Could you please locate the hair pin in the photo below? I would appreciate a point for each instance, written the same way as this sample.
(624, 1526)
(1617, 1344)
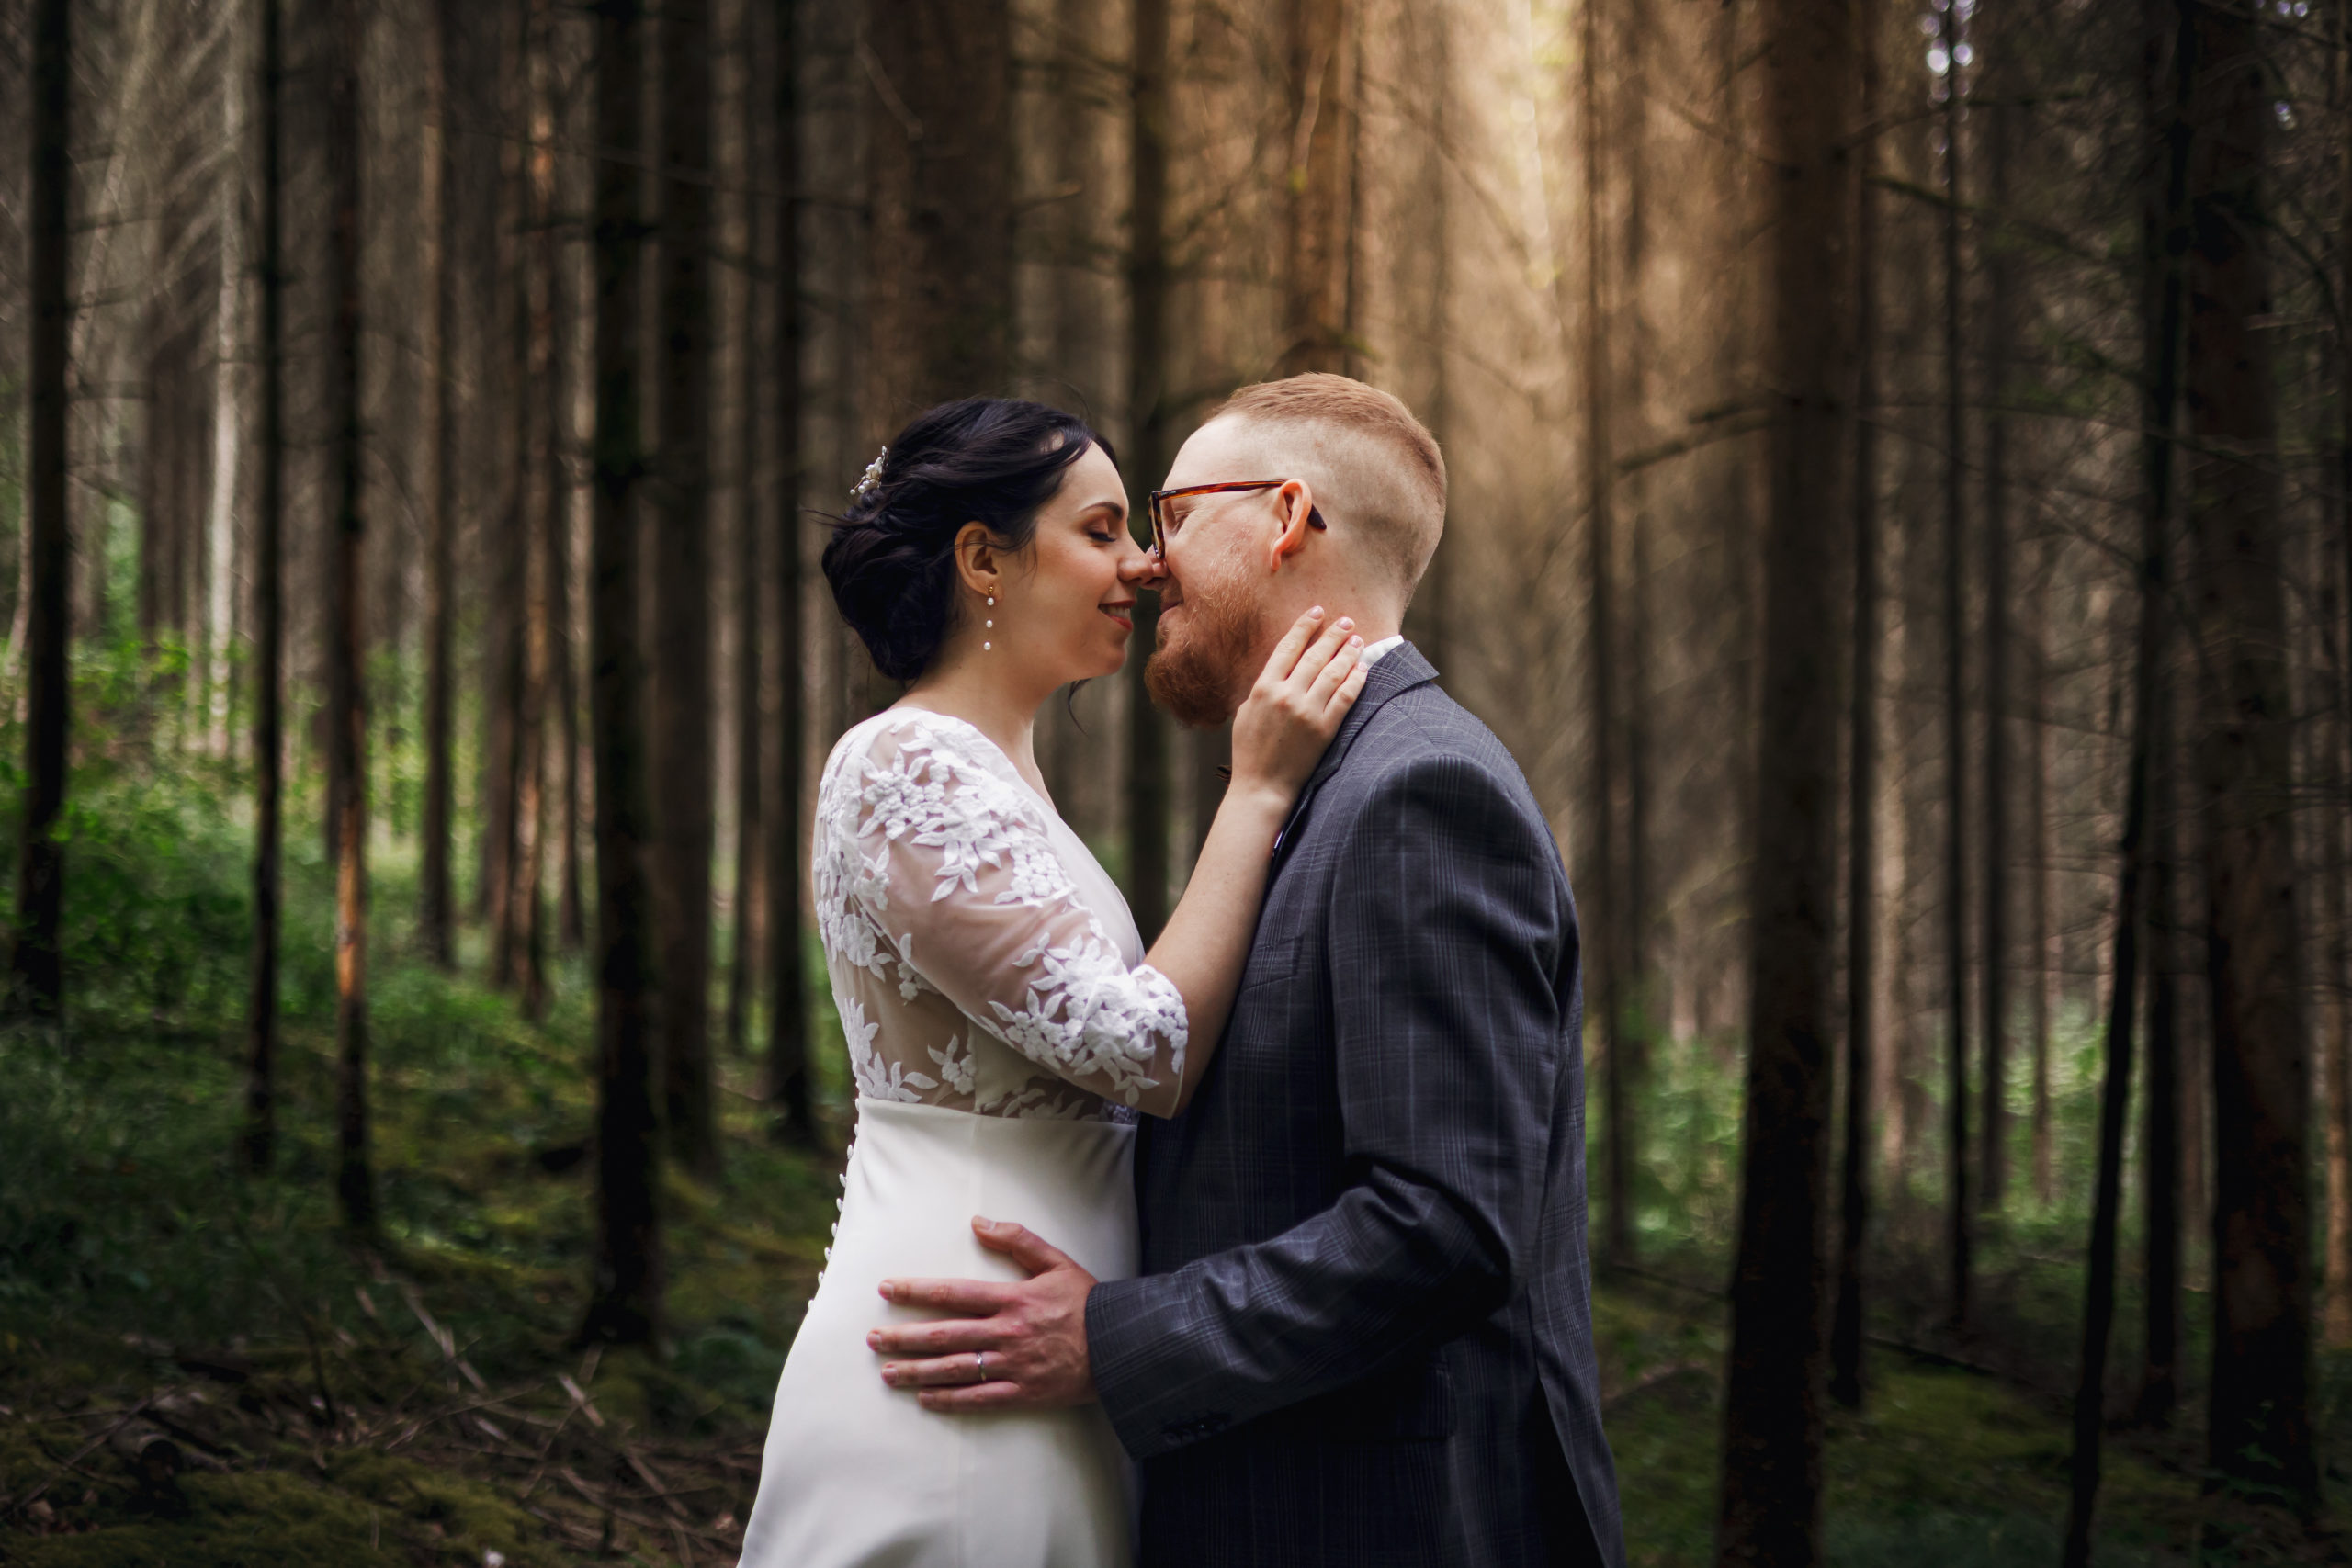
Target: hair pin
(871, 478)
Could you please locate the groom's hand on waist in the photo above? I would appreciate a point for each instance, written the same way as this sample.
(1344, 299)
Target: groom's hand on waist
(1010, 1347)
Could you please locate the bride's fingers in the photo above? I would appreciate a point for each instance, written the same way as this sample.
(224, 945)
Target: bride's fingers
(1344, 662)
(1318, 655)
(1286, 651)
(1349, 688)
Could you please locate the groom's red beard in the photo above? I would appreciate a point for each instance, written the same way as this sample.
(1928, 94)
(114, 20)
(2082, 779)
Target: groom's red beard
(1203, 656)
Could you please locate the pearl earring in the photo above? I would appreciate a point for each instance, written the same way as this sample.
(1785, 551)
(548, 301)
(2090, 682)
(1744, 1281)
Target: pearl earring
(985, 647)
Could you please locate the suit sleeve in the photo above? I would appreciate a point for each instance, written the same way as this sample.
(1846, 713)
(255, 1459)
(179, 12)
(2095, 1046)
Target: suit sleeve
(1447, 924)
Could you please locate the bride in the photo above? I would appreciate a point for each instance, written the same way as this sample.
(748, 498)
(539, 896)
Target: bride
(1004, 1025)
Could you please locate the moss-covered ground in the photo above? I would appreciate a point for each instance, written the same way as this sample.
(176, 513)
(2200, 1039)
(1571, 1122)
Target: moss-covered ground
(421, 1402)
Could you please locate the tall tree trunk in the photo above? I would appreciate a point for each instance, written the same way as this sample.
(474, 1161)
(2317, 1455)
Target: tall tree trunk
(684, 781)
(540, 541)
(1960, 1232)
(37, 962)
(1630, 396)
(436, 915)
(2164, 241)
(625, 1304)
(1319, 220)
(210, 695)
(793, 1116)
(1993, 961)
(742, 979)
(1600, 868)
(506, 664)
(2160, 1163)
(2336, 982)
(2045, 958)
(2336, 1006)
(562, 684)
(941, 280)
(1772, 1411)
(2162, 304)
(2258, 1428)
(347, 649)
(261, 1006)
(1150, 417)
(1862, 777)
(2115, 1101)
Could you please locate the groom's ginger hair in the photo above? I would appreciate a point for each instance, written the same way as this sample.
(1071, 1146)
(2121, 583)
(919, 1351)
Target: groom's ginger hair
(1383, 474)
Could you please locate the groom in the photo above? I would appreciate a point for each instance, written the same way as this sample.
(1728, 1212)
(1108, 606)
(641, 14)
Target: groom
(1363, 1333)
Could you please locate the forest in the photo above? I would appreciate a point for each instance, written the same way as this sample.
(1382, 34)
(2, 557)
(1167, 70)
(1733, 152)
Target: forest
(1901, 522)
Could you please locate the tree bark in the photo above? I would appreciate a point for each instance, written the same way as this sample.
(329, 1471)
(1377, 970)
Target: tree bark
(940, 285)
(2162, 301)
(210, 695)
(2335, 981)
(1318, 216)
(2115, 1101)
(1599, 869)
(1960, 1232)
(624, 1304)
(1149, 421)
(1770, 1509)
(2160, 1162)
(506, 664)
(261, 1006)
(541, 541)
(562, 687)
(436, 915)
(346, 650)
(2046, 957)
(2258, 1425)
(742, 979)
(2335, 1006)
(793, 1114)
(1862, 777)
(37, 960)
(684, 782)
(1993, 961)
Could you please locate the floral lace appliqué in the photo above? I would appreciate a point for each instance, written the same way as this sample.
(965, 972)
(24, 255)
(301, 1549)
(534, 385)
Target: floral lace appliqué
(953, 929)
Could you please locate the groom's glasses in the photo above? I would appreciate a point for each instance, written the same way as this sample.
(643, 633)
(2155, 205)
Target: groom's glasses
(1166, 519)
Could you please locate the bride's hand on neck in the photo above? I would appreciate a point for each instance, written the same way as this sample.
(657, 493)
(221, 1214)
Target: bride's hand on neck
(1280, 732)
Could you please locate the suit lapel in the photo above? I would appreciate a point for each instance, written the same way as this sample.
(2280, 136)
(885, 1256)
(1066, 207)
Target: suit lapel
(1400, 670)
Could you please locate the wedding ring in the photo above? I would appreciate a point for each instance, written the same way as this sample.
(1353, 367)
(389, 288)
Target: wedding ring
(979, 1366)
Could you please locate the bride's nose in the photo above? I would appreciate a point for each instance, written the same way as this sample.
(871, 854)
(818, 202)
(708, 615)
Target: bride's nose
(1144, 569)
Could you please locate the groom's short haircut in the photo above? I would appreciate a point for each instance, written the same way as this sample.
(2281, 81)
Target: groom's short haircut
(1383, 474)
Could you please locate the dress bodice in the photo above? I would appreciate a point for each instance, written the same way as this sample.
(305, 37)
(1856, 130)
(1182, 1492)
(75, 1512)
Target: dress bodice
(980, 957)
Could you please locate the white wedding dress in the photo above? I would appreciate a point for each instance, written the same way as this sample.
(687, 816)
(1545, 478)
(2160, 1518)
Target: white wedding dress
(1004, 1032)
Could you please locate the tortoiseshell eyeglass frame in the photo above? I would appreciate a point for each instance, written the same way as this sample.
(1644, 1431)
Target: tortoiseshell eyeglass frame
(1160, 498)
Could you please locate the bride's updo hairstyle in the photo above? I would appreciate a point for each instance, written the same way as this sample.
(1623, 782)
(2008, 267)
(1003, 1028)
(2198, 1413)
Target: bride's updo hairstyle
(891, 560)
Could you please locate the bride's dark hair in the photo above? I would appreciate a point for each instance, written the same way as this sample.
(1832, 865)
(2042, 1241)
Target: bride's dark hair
(891, 560)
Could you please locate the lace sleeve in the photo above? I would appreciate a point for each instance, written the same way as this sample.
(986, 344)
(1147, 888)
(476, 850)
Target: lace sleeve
(959, 881)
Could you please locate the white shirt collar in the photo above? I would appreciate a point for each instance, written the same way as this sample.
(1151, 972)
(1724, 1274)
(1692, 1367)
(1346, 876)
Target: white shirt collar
(1372, 654)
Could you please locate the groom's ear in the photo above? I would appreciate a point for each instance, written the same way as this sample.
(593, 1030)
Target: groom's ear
(1293, 512)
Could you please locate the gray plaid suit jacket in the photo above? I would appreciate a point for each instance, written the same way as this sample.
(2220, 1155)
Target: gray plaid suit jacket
(1363, 1333)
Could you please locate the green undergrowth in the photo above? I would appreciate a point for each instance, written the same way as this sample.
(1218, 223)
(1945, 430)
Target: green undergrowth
(137, 1263)
(1945, 1465)
(414, 1403)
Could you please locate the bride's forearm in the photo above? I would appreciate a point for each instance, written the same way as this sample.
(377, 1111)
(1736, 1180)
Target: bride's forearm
(1207, 938)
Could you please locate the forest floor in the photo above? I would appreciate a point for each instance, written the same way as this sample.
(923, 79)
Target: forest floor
(420, 1402)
